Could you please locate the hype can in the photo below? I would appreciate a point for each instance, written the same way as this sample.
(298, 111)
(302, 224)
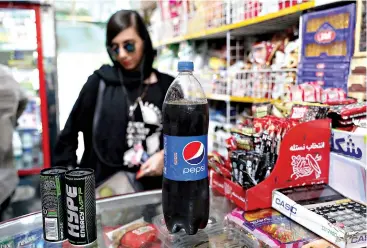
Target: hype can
(53, 203)
(81, 206)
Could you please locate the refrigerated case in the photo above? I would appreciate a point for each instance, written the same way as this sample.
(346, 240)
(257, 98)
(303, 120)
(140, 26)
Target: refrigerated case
(27, 47)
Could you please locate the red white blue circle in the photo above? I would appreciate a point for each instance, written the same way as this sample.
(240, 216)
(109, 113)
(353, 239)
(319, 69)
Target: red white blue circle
(193, 153)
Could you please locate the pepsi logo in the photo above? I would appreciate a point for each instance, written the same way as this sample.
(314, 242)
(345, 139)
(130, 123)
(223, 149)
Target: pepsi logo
(325, 36)
(194, 152)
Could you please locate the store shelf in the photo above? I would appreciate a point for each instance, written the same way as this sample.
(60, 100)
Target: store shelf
(272, 20)
(243, 99)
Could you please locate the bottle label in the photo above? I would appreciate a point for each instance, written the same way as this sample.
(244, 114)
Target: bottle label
(185, 158)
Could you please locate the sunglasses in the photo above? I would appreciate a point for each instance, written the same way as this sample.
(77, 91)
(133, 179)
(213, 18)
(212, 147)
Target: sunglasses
(115, 50)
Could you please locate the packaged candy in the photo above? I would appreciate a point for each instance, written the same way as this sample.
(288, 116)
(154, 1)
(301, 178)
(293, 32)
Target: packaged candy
(274, 229)
(308, 112)
(343, 115)
(261, 109)
(135, 235)
(217, 163)
(340, 102)
(243, 142)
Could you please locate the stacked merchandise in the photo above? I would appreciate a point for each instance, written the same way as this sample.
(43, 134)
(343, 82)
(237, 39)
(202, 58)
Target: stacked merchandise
(255, 142)
(254, 148)
(348, 116)
(314, 92)
(245, 10)
(327, 46)
(269, 67)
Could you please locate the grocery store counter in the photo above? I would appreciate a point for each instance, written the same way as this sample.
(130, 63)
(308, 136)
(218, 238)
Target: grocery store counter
(136, 221)
(115, 213)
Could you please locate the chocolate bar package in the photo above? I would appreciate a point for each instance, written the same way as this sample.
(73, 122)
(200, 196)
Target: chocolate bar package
(344, 115)
(327, 82)
(309, 112)
(274, 229)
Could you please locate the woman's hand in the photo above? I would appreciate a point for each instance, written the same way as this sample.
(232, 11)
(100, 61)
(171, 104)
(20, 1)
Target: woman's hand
(153, 166)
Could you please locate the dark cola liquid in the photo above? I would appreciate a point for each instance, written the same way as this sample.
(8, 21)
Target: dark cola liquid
(185, 203)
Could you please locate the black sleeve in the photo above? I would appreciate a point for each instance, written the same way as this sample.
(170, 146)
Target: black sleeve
(166, 81)
(81, 114)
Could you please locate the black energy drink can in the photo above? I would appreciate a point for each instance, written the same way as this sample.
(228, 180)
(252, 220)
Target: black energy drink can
(81, 206)
(52, 186)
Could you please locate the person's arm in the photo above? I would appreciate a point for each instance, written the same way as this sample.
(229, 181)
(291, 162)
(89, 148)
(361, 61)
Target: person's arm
(154, 165)
(67, 143)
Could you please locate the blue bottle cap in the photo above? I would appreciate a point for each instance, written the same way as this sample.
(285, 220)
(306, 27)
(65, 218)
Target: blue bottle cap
(185, 66)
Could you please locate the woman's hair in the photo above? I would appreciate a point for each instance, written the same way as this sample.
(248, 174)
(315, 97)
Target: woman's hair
(124, 19)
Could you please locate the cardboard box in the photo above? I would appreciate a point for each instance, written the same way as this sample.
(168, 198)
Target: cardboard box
(303, 160)
(352, 186)
(332, 28)
(350, 145)
(322, 65)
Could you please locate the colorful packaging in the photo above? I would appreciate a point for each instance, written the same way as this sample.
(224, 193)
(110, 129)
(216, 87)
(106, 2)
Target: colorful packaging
(52, 185)
(309, 112)
(344, 115)
(329, 34)
(135, 235)
(302, 158)
(327, 82)
(81, 206)
(273, 228)
(322, 65)
(6, 243)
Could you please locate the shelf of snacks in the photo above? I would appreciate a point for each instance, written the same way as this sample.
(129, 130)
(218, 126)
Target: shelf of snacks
(213, 21)
(244, 99)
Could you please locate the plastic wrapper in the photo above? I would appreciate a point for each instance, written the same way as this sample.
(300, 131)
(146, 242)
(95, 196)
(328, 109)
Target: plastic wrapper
(214, 235)
(136, 234)
(308, 112)
(274, 229)
(345, 115)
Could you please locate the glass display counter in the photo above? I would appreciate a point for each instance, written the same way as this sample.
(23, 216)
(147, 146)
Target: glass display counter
(118, 212)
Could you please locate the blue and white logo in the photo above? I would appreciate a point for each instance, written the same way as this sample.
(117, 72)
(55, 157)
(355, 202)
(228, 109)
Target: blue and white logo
(194, 152)
(185, 158)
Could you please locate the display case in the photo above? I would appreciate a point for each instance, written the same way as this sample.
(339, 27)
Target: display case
(136, 220)
(27, 47)
(112, 213)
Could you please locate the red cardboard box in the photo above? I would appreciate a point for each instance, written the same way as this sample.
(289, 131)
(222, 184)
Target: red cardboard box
(303, 159)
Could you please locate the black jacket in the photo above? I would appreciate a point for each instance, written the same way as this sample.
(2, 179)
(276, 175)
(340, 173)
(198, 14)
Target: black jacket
(107, 142)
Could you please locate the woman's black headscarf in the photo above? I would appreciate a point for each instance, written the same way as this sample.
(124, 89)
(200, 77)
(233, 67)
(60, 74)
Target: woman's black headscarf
(120, 21)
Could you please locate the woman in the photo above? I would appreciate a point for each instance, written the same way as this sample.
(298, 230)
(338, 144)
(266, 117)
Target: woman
(119, 109)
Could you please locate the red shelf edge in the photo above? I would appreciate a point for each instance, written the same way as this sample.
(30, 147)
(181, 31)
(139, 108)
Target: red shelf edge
(30, 171)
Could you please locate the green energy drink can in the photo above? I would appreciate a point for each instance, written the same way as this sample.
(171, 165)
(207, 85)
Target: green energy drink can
(81, 206)
(52, 182)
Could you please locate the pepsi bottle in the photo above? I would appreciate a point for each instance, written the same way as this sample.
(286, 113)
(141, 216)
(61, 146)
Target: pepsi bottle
(185, 195)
